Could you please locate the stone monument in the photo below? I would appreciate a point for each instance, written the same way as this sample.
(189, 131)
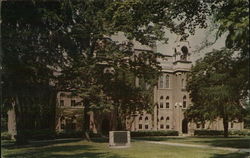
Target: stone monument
(119, 139)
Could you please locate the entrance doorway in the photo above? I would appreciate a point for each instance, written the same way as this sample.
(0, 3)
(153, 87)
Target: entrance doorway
(184, 126)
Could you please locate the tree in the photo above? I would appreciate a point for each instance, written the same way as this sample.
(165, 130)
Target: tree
(216, 86)
(90, 23)
(28, 63)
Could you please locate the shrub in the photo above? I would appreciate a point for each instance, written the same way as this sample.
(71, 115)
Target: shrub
(219, 132)
(240, 132)
(154, 133)
(5, 136)
(208, 133)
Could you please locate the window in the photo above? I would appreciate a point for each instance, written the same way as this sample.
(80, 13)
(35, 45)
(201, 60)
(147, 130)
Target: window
(73, 103)
(146, 126)
(167, 126)
(167, 97)
(161, 126)
(197, 125)
(161, 97)
(146, 118)
(140, 126)
(162, 118)
(161, 82)
(167, 118)
(167, 105)
(61, 102)
(140, 118)
(232, 125)
(184, 104)
(184, 101)
(161, 105)
(167, 82)
(203, 125)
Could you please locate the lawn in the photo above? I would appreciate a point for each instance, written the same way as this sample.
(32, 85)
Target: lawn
(99, 149)
(233, 142)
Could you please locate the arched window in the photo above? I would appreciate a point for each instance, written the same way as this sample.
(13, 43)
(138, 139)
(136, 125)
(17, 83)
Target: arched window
(167, 118)
(161, 97)
(184, 97)
(140, 118)
(146, 118)
(167, 126)
(162, 118)
(161, 82)
(167, 97)
(167, 81)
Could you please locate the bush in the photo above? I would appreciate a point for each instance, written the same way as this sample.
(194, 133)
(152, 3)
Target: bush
(154, 133)
(219, 132)
(5, 136)
(240, 132)
(208, 132)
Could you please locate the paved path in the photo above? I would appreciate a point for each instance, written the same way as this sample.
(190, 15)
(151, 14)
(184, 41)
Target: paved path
(200, 146)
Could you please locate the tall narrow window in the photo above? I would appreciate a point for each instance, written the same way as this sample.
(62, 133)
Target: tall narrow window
(167, 105)
(161, 105)
(167, 81)
(140, 126)
(73, 103)
(161, 82)
(146, 118)
(184, 101)
(182, 83)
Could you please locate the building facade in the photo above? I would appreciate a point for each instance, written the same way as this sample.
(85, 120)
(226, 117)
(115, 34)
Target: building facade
(170, 96)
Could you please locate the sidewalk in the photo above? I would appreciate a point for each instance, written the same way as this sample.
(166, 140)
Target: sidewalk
(200, 146)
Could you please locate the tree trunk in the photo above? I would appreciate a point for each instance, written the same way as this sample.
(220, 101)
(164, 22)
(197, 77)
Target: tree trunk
(20, 135)
(86, 124)
(225, 125)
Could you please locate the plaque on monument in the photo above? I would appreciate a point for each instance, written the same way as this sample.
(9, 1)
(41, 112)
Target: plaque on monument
(119, 138)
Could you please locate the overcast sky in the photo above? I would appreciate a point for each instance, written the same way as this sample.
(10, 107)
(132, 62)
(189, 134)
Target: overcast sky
(196, 41)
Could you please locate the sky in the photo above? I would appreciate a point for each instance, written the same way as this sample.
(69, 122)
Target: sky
(196, 42)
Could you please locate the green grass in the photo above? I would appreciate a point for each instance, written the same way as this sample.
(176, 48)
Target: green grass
(99, 149)
(233, 142)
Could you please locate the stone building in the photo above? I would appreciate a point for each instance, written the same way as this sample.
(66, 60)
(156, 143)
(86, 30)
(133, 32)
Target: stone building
(170, 96)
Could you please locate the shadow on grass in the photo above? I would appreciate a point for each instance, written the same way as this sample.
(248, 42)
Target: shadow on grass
(65, 151)
(12, 145)
(228, 142)
(231, 155)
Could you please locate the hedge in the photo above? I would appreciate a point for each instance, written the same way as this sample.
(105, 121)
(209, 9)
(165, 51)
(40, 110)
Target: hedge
(220, 132)
(154, 133)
